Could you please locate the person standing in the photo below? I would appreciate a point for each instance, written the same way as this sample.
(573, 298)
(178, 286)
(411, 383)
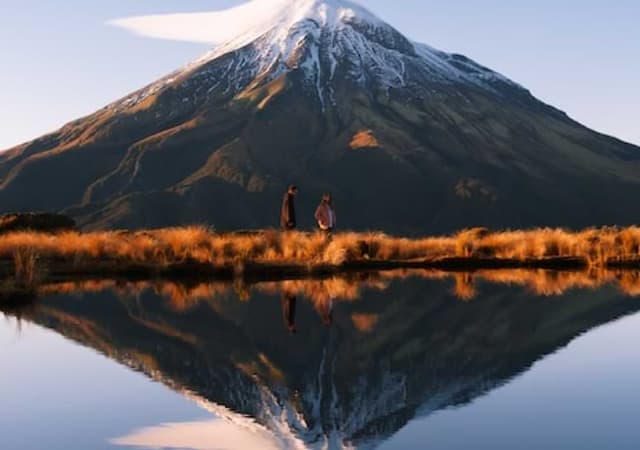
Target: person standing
(325, 214)
(288, 210)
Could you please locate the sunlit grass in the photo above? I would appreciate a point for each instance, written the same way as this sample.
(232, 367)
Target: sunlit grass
(597, 247)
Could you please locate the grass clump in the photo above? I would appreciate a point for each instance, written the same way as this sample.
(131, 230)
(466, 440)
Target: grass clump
(28, 272)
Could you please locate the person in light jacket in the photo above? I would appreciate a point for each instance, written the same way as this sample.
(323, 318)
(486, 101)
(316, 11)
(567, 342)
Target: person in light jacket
(325, 214)
(288, 209)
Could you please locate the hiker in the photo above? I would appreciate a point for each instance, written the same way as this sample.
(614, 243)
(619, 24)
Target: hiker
(288, 304)
(288, 210)
(325, 214)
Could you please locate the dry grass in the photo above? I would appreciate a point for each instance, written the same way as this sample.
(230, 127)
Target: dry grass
(321, 293)
(28, 275)
(25, 260)
(597, 247)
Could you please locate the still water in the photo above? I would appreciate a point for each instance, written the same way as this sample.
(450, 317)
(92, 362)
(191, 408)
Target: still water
(495, 360)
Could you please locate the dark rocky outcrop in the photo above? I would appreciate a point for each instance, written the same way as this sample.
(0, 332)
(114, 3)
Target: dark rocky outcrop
(45, 222)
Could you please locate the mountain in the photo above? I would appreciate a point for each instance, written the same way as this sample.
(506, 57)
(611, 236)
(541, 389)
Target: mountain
(353, 384)
(325, 95)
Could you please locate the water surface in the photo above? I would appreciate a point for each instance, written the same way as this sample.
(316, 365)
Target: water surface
(497, 360)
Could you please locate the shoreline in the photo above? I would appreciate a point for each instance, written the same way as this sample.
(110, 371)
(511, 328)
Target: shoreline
(66, 269)
(29, 259)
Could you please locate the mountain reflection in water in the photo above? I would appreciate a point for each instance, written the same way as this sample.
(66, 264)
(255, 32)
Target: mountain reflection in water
(339, 362)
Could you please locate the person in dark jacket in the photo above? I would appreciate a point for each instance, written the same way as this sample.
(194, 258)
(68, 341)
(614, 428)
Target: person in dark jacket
(326, 215)
(288, 210)
(288, 304)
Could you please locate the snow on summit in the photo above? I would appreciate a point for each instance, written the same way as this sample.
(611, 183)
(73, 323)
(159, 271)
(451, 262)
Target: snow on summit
(326, 40)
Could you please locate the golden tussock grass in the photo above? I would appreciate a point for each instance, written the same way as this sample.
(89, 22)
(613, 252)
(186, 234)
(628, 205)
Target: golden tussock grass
(199, 245)
(27, 270)
(32, 255)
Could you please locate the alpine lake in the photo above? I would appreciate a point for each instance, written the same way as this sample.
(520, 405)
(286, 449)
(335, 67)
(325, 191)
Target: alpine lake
(510, 359)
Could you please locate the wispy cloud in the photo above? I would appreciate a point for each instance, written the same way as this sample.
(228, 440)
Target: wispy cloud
(211, 27)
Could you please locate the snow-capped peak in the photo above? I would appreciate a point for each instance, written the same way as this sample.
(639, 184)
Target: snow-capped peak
(288, 17)
(324, 40)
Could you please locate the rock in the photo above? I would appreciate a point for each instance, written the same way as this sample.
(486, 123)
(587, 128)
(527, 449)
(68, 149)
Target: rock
(44, 222)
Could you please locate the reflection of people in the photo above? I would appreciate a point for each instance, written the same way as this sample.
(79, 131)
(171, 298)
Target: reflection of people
(325, 214)
(326, 312)
(288, 210)
(288, 304)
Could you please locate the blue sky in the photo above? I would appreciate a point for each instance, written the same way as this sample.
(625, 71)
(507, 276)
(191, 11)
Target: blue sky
(60, 61)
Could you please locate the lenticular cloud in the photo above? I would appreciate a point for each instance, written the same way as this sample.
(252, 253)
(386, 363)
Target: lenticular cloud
(211, 27)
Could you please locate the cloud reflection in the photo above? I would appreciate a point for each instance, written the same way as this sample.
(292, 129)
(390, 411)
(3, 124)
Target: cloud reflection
(212, 434)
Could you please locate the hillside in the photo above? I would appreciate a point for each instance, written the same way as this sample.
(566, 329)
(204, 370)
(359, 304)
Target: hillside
(409, 139)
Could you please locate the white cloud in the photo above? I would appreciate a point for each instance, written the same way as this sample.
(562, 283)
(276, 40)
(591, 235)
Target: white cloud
(211, 27)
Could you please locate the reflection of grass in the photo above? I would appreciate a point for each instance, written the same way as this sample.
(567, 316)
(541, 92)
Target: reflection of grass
(189, 247)
(320, 292)
(182, 296)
